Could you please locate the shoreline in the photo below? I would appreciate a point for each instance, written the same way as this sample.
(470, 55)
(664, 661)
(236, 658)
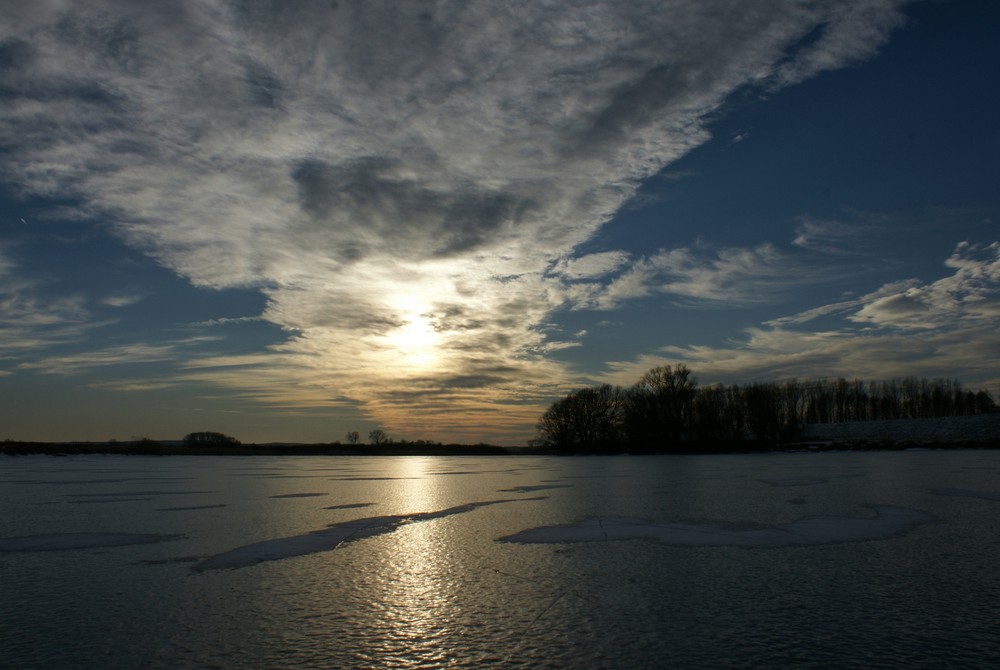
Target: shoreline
(978, 431)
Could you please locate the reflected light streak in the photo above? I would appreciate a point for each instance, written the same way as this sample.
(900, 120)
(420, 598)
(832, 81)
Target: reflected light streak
(419, 598)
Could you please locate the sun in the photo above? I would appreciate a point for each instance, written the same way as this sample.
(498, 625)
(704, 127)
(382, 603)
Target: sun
(416, 340)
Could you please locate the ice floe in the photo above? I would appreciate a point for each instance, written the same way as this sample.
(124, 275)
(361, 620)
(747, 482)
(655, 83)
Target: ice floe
(350, 505)
(888, 521)
(329, 538)
(65, 541)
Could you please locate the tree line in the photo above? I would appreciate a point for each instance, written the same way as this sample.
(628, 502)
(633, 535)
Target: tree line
(666, 410)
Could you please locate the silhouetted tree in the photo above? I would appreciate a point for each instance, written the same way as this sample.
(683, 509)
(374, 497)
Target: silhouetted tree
(587, 420)
(666, 408)
(208, 438)
(984, 403)
(377, 437)
(353, 437)
(763, 406)
(659, 407)
(712, 416)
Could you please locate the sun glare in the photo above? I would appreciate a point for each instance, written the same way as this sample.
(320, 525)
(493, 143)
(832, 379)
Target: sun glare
(416, 340)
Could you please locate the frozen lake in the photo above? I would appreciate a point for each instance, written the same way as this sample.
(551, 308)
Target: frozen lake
(883, 559)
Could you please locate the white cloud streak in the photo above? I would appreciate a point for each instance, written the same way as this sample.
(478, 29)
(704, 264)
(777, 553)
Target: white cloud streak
(129, 354)
(727, 276)
(381, 168)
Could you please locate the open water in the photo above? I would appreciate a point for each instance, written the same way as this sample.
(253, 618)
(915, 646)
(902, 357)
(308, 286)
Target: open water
(851, 560)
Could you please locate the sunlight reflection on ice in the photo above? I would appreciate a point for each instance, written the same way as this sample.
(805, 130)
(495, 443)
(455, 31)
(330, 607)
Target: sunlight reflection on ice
(329, 538)
(887, 522)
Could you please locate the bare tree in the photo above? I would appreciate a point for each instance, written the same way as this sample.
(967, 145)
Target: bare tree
(660, 406)
(353, 437)
(587, 420)
(377, 437)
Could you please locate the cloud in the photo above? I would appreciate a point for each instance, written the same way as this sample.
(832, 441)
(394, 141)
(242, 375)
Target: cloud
(6, 264)
(121, 300)
(705, 275)
(836, 236)
(29, 321)
(845, 307)
(130, 354)
(379, 168)
(850, 33)
(971, 295)
(945, 328)
(591, 265)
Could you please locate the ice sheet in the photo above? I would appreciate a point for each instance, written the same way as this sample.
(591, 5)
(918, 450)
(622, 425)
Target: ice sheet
(65, 541)
(369, 479)
(109, 500)
(329, 538)
(191, 507)
(530, 489)
(888, 521)
(963, 493)
(133, 494)
(794, 481)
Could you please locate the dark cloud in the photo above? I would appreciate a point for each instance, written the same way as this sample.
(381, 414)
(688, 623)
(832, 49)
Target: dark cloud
(265, 88)
(405, 215)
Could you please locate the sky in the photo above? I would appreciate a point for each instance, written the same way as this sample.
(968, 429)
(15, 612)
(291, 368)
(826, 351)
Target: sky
(289, 220)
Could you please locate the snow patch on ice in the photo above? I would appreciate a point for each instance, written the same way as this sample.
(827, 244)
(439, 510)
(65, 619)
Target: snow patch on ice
(887, 522)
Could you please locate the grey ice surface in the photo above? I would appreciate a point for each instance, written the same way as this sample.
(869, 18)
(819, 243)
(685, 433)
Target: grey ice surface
(887, 522)
(66, 541)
